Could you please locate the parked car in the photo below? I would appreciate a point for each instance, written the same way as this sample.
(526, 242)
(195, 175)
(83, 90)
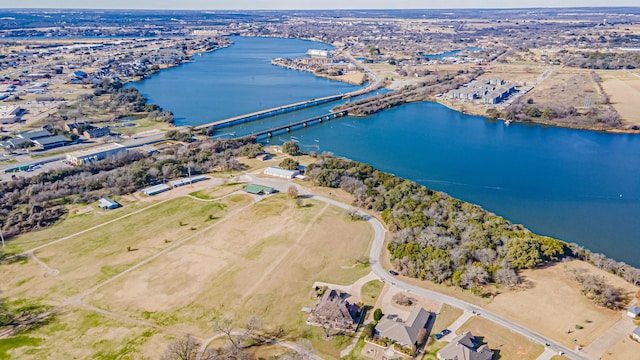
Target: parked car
(442, 333)
(393, 272)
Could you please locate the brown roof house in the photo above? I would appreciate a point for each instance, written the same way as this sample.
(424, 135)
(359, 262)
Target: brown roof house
(333, 311)
(464, 347)
(404, 333)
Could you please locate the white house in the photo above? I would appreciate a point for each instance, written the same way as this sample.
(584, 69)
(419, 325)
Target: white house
(633, 311)
(280, 172)
(636, 334)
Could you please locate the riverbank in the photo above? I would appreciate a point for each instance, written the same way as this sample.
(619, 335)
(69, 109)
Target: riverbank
(465, 108)
(350, 77)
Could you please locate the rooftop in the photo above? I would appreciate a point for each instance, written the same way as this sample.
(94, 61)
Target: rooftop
(95, 150)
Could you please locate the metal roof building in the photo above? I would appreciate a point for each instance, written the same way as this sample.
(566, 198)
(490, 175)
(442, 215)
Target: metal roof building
(280, 172)
(258, 189)
(155, 190)
(187, 181)
(81, 157)
(106, 203)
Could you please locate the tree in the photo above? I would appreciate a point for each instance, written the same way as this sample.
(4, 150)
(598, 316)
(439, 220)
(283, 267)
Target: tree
(185, 348)
(524, 253)
(292, 192)
(377, 315)
(291, 147)
(289, 164)
(506, 276)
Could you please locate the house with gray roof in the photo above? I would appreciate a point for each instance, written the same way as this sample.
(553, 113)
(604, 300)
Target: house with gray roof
(464, 347)
(633, 311)
(636, 334)
(335, 312)
(404, 333)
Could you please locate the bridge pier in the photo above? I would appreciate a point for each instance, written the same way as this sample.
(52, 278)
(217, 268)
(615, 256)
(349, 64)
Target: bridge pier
(305, 124)
(269, 134)
(320, 119)
(288, 129)
(328, 117)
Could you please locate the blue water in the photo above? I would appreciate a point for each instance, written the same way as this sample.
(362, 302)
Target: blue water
(237, 80)
(578, 186)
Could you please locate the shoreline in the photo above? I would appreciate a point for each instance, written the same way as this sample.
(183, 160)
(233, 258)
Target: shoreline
(341, 78)
(542, 123)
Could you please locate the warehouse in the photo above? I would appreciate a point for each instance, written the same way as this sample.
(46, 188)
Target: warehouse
(107, 204)
(155, 190)
(86, 156)
(280, 172)
(187, 181)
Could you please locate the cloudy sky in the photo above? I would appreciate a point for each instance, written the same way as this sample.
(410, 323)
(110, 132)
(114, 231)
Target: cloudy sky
(305, 4)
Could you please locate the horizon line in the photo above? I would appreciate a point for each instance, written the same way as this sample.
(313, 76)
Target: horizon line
(331, 9)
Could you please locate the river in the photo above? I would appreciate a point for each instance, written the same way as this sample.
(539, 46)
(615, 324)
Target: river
(578, 186)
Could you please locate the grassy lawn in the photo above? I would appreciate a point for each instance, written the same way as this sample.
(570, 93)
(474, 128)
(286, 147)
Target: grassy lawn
(256, 264)
(431, 352)
(447, 315)
(72, 223)
(80, 334)
(218, 191)
(502, 341)
(90, 258)
(370, 292)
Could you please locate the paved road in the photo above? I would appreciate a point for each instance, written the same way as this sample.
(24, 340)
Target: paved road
(376, 267)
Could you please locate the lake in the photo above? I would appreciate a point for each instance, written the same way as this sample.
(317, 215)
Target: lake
(578, 186)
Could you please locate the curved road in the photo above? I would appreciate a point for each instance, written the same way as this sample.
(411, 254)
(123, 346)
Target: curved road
(376, 267)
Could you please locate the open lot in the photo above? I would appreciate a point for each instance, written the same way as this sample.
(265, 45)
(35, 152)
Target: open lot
(623, 88)
(552, 304)
(81, 334)
(508, 344)
(626, 348)
(263, 262)
(257, 264)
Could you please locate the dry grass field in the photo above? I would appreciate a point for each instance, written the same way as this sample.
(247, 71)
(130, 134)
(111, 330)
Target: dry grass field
(623, 88)
(257, 264)
(508, 344)
(262, 262)
(626, 348)
(567, 87)
(559, 305)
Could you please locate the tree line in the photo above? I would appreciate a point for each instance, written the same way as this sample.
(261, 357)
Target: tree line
(28, 204)
(441, 239)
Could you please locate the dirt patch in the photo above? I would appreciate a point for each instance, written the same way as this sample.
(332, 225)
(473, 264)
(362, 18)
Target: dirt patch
(553, 305)
(626, 348)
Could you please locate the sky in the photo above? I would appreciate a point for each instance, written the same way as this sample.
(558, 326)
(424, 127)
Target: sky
(306, 4)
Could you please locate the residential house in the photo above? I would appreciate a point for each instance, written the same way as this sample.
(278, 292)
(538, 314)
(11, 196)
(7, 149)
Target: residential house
(335, 312)
(405, 333)
(464, 347)
(633, 311)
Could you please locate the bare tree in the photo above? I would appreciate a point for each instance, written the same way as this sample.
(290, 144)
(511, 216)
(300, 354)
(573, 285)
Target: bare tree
(185, 348)
(292, 192)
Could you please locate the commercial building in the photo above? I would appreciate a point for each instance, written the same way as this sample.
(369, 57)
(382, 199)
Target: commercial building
(155, 190)
(280, 172)
(50, 142)
(256, 189)
(107, 204)
(10, 114)
(86, 156)
(187, 181)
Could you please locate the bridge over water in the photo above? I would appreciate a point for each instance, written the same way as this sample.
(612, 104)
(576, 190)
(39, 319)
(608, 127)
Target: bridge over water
(268, 112)
(297, 124)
